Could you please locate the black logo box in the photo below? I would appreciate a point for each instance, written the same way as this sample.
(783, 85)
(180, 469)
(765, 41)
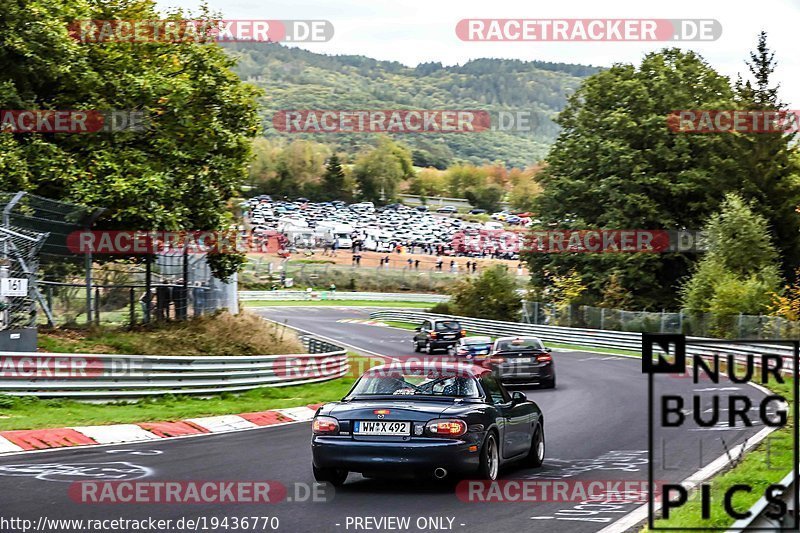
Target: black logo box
(674, 362)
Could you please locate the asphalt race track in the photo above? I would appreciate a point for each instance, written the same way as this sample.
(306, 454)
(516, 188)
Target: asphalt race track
(596, 429)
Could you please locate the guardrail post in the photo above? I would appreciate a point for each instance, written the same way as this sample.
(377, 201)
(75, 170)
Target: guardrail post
(97, 305)
(132, 304)
(602, 317)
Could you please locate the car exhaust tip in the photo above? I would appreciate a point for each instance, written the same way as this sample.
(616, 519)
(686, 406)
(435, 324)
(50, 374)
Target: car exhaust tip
(440, 473)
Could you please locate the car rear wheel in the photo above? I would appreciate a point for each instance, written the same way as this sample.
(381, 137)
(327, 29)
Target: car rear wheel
(535, 456)
(490, 459)
(416, 345)
(428, 348)
(334, 476)
(550, 384)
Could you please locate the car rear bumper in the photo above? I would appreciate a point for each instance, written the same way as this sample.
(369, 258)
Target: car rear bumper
(397, 458)
(533, 376)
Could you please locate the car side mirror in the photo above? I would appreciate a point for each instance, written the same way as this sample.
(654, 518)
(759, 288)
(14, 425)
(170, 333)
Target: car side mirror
(418, 328)
(548, 350)
(518, 397)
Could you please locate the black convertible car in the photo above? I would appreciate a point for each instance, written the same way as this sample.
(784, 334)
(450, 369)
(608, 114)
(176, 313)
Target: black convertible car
(426, 418)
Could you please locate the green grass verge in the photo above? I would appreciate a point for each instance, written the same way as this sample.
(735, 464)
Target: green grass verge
(32, 413)
(336, 303)
(766, 464)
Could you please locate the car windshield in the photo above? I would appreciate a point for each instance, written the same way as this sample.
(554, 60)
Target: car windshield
(528, 343)
(453, 384)
(477, 341)
(447, 325)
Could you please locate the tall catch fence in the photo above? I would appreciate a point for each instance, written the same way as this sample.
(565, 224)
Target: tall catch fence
(65, 287)
(701, 325)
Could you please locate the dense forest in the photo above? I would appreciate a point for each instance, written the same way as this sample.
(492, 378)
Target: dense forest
(297, 79)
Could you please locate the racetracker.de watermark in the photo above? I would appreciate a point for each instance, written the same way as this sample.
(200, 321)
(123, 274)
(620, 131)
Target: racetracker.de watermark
(205, 492)
(89, 31)
(554, 490)
(381, 121)
(141, 242)
(734, 121)
(311, 366)
(613, 241)
(69, 366)
(588, 30)
(71, 121)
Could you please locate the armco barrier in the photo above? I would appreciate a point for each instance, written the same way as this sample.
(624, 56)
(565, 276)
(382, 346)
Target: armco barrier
(99, 376)
(597, 338)
(245, 296)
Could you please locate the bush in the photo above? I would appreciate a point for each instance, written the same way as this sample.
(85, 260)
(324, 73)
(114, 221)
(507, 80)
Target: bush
(492, 295)
(442, 308)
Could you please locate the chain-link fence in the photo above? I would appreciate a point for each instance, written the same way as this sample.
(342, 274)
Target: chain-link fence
(19, 249)
(69, 288)
(702, 325)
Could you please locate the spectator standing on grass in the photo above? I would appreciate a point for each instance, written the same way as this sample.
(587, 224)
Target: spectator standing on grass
(334, 247)
(386, 262)
(468, 265)
(452, 266)
(416, 264)
(519, 269)
(358, 259)
(474, 266)
(332, 287)
(439, 263)
(410, 262)
(354, 259)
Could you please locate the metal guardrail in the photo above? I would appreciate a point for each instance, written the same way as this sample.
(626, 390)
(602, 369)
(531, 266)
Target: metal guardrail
(103, 376)
(759, 521)
(597, 338)
(245, 296)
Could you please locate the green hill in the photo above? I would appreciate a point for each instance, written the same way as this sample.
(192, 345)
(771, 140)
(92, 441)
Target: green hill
(297, 79)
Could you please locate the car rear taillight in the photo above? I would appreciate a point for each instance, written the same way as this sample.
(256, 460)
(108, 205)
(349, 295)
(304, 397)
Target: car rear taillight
(325, 425)
(496, 360)
(463, 333)
(433, 334)
(543, 358)
(446, 427)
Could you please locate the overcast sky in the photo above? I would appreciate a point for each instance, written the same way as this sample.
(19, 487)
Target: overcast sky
(415, 31)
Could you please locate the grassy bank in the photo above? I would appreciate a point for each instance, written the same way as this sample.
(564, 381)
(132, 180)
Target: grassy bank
(335, 303)
(221, 334)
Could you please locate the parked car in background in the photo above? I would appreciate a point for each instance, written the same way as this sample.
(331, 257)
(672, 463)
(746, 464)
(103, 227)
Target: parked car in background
(523, 361)
(447, 209)
(471, 348)
(477, 211)
(437, 334)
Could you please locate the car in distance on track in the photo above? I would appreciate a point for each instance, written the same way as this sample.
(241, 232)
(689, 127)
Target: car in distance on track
(428, 418)
(472, 348)
(437, 334)
(523, 361)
